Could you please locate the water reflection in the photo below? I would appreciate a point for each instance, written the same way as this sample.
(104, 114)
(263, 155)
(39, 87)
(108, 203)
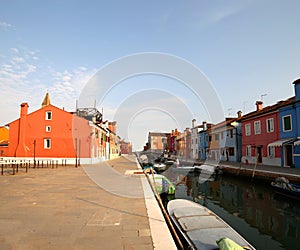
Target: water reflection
(264, 218)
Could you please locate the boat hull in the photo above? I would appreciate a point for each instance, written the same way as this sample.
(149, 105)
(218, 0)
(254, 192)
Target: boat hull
(200, 227)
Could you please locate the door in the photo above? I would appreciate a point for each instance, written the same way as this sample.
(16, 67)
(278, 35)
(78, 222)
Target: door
(259, 154)
(288, 155)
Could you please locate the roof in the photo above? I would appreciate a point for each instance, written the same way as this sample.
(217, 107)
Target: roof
(225, 123)
(269, 109)
(158, 134)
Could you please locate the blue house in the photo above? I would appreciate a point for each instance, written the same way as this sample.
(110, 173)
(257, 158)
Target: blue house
(289, 117)
(203, 141)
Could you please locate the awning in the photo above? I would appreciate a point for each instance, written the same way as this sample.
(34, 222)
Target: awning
(297, 143)
(280, 142)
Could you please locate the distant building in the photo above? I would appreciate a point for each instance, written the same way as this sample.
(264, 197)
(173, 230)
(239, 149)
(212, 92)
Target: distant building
(195, 140)
(157, 141)
(223, 140)
(4, 137)
(204, 140)
(126, 147)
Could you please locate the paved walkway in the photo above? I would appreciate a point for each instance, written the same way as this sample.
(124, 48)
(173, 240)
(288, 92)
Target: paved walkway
(263, 171)
(67, 208)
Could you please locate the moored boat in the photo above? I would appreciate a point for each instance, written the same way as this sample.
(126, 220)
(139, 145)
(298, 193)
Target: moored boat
(159, 167)
(282, 186)
(200, 227)
(162, 184)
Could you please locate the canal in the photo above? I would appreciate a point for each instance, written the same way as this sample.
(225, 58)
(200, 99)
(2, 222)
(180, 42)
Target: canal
(266, 219)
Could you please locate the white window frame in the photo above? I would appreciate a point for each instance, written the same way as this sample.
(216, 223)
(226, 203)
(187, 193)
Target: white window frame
(248, 150)
(283, 128)
(257, 128)
(47, 143)
(271, 151)
(47, 114)
(248, 129)
(270, 128)
(48, 129)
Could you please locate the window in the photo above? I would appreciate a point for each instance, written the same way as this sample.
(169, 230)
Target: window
(231, 151)
(47, 143)
(48, 115)
(287, 123)
(248, 129)
(270, 125)
(231, 133)
(48, 128)
(248, 150)
(216, 137)
(257, 129)
(271, 151)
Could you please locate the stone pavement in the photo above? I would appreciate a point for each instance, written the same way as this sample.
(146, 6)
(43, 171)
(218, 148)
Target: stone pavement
(261, 171)
(66, 208)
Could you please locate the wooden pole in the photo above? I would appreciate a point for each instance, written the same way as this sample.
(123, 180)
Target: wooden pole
(254, 169)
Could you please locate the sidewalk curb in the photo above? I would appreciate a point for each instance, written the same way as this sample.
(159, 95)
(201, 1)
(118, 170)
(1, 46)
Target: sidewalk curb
(161, 235)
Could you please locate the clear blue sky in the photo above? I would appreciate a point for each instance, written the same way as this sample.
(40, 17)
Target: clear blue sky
(246, 49)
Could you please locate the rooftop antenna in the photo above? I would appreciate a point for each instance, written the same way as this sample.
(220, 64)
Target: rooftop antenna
(262, 96)
(229, 113)
(244, 106)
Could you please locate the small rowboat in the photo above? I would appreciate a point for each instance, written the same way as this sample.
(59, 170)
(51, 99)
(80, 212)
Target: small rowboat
(200, 227)
(162, 184)
(282, 186)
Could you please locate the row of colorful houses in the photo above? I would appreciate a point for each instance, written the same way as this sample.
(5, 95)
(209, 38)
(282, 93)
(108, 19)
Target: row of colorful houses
(53, 133)
(269, 135)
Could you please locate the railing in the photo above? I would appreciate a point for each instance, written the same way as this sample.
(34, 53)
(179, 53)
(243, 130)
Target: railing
(14, 165)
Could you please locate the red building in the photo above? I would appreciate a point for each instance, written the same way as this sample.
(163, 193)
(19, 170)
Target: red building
(261, 135)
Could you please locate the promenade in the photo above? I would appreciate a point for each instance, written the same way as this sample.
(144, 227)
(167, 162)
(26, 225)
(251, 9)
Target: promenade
(89, 207)
(261, 172)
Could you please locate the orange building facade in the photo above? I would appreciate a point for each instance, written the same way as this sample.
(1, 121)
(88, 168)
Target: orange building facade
(53, 133)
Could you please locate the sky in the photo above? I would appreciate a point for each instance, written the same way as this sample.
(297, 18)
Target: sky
(246, 51)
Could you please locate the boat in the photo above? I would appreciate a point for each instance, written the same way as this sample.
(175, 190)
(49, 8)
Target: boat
(162, 184)
(208, 169)
(200, 227)
(159, 167)
(282, 186)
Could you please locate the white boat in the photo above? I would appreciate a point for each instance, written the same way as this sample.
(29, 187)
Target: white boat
(200, 227)
(159, 167)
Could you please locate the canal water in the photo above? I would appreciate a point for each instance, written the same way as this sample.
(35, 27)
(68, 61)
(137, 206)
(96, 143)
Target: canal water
(266, 219)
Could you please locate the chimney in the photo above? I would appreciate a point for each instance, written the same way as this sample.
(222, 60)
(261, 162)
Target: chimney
(259, 105)
(24, 109)
(204, 123)
(297, 89)
(193, 123)
(21, 148)
(239, 113)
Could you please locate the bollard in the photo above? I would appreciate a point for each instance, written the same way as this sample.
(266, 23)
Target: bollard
(56, 163)
(26, 167)
(13, 166)
(17, 167)
(2, 171)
